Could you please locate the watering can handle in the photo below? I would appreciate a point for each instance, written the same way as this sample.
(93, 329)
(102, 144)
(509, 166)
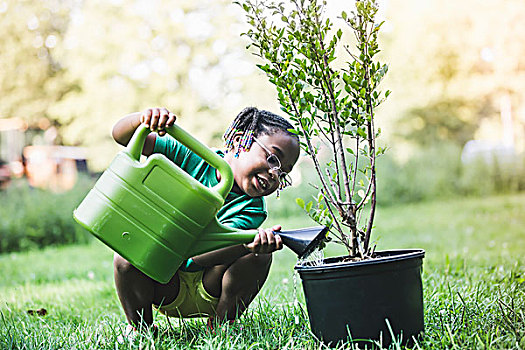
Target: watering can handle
(135, 145)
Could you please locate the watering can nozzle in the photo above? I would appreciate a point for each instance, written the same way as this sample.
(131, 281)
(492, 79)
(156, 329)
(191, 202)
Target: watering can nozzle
(305, 240)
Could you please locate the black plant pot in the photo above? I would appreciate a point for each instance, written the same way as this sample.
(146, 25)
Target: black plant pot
(353, 300)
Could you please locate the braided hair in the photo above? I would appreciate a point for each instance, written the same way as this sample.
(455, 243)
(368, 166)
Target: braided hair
(254, 122)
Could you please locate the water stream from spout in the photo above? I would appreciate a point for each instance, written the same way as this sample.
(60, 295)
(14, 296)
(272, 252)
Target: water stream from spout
(315, 258)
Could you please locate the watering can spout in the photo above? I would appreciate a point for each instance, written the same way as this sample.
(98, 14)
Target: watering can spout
(304, 241)
(301, 241)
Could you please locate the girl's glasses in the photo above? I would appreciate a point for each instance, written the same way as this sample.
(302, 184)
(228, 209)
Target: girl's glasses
(275, 166)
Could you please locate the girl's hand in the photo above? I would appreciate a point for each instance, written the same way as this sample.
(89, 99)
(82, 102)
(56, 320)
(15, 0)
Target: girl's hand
(157, 119)
(266, 242)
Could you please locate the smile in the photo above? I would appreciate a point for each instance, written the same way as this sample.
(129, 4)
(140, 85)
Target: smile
(263, 183)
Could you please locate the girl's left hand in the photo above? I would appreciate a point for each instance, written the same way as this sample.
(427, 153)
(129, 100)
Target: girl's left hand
(267, 241)
(158, 119)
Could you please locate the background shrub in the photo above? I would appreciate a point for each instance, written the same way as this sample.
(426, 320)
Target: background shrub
(435, 172)
(33, 218)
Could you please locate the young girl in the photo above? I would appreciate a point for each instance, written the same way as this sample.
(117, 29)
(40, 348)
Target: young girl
(219, 284)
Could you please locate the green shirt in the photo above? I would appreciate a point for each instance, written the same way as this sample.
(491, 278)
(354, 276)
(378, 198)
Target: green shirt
(239, 210)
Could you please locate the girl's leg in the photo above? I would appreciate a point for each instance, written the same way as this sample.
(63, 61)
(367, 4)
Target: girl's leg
(237, 285)
(137, 292)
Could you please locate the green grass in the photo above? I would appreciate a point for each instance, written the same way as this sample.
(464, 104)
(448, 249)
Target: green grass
(474, 288)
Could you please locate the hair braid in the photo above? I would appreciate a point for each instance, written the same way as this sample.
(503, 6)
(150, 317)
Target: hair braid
(253, 122)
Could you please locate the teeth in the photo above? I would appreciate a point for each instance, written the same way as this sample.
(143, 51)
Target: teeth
(261, 182)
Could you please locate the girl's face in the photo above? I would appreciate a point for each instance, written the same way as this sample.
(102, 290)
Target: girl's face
(251, 170)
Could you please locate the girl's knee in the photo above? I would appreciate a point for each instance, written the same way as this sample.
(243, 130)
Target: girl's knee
(121, 265)
(259, 261)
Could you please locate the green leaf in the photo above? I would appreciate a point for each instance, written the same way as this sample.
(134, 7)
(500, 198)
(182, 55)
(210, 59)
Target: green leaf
(309, 206)
(300, 202)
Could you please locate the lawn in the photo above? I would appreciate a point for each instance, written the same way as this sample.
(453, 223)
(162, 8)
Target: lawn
(474, 288)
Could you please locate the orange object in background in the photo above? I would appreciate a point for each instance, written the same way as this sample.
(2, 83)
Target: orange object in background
(46, 165)
(53, 167)
(12, 141)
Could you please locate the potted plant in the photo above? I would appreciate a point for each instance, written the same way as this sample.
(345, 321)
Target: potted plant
(367, 294)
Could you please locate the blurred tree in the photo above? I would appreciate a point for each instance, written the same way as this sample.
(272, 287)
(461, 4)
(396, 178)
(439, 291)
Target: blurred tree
(457, 60)
(445, 120)
(131, 55)
(31, 78)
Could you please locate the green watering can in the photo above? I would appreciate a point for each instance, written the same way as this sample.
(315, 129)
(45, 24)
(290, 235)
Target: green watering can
(156, 216)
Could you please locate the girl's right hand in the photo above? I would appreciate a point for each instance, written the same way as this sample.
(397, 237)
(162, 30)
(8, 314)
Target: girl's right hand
(266, 242)
(157, 119)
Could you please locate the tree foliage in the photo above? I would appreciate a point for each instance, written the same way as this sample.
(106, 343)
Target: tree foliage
(130, 57)
(328, 104)
(32, 79)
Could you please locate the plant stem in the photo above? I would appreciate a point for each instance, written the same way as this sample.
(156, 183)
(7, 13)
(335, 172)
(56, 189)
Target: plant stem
(371, 138)
(346, 213)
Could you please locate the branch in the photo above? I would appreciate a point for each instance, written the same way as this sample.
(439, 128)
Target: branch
(357, 139)
(332, 121)
(334, 188)
(278, 67)
(367, 192)
(372, 150)
(321, 129)
(332, 118)
(309, 143)
(335, 121)
(351, 54)
(345, 242)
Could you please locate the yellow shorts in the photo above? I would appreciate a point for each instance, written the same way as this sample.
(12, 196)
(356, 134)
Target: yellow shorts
(193, 300)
